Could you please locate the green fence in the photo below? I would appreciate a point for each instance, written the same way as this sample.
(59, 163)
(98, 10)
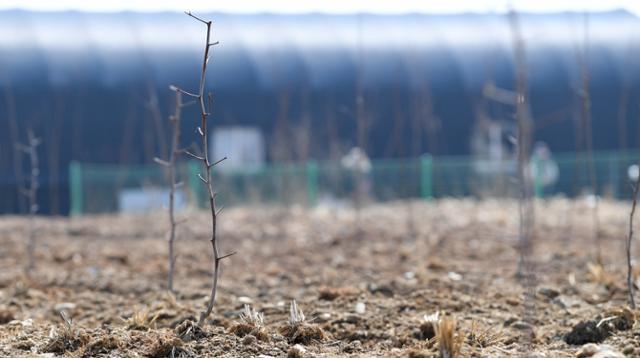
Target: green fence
(99, 188)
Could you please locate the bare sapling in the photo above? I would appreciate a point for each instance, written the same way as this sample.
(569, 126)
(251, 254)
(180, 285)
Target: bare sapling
(207, 165)
(519, 100)
(632, 301)
(170, 164)
(31, 193)
(588, 138)
(523, 144)
(525, 200)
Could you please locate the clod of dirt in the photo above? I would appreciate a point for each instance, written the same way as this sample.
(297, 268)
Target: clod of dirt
(548, 292)
(296, 351)
(189, 330)
(384, 289)
(566, 302)
(628, 349)
(435, 264)
(302, 333)
(243, 329)
(587, 350)
(522, 326)
(249, 339)
(418, 354)
(166, 346)
(595, 331)
(587, 332)
(24, 345)
(102, 345)
(427, 331)
(6, 315)
(353, 347)
(331, 293)
(328, 293)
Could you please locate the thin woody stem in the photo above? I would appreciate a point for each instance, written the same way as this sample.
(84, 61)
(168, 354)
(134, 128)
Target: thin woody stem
(206, 177)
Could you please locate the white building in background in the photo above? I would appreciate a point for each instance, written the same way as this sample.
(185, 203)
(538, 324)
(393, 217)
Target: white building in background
(243, 146)
(146, 199)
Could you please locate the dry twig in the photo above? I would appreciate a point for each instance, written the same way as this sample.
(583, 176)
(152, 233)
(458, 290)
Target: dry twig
(31, 192)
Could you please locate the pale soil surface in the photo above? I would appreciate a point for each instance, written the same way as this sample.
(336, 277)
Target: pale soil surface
(366, 283)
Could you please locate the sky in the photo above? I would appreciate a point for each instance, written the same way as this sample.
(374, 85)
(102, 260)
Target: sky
(327, 6)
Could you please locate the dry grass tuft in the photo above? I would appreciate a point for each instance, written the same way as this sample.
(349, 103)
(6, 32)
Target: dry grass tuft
(597, 274)
(252, 322)
(618, 318)
(67, 338)
(141, 321)
(303, 333)
(449, 341)
(170, 301)
(296, 316)
(298, 330)
(483, 337)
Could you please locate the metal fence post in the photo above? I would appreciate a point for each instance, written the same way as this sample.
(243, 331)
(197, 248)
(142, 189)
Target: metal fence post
(426, 176)
(75, 188)
(312, 182)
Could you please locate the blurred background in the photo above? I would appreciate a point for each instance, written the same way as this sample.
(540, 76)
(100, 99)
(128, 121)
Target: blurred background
(338, 102)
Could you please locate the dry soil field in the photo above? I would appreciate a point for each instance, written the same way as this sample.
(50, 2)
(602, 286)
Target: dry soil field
(363, 284)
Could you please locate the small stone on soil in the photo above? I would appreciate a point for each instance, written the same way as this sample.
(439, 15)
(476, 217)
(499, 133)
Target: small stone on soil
(249, 339)
(548, 292)
(594, 351)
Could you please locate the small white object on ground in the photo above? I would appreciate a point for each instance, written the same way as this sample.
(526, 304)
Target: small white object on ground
(454, 276)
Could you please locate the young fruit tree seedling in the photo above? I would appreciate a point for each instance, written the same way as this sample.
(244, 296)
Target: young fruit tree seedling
(525, 202)
(173, 185)
(31, 192)
(587, 131)
(207, 165)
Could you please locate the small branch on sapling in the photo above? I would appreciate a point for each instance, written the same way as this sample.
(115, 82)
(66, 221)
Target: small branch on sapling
(207, 165)
(31, 192)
